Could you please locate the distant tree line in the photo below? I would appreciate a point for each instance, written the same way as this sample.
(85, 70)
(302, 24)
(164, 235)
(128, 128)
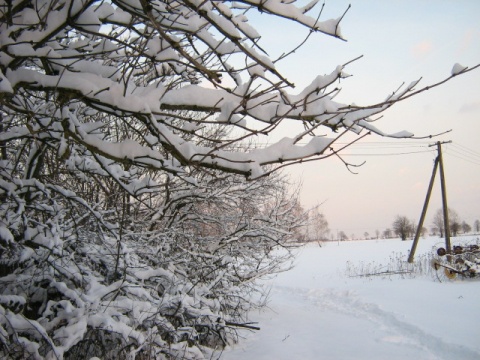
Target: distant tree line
(406, 228)
(402, 227)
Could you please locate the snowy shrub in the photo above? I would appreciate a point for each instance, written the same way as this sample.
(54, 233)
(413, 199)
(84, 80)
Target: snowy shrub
(164, 273)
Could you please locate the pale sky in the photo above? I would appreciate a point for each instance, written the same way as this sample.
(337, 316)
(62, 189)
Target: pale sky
(400, 41)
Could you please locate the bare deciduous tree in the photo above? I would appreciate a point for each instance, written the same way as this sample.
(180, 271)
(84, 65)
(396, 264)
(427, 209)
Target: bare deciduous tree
(466, 228)
(476, 225)
(438, 223)
(387, 233)
(402, 227)
(317, 229)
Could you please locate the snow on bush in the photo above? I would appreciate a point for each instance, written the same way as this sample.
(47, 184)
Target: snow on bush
(168, 273)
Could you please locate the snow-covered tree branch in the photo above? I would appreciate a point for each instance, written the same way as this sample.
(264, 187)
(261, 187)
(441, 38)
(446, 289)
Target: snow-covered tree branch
(63, 62)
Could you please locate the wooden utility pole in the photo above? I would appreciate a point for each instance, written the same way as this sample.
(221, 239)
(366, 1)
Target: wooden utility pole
(446, 223)
(424, 212)
(438, 160)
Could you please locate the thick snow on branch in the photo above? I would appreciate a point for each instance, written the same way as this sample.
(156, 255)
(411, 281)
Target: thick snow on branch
(172, 69)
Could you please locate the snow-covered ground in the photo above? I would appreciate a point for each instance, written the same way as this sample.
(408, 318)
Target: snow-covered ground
(319, 311)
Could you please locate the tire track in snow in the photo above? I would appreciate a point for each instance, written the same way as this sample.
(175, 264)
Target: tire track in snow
(396, 330)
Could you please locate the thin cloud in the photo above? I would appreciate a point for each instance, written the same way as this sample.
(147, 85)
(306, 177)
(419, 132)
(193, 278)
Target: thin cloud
(422, 49)
(470, 107)
(467, 40)
(419, 185)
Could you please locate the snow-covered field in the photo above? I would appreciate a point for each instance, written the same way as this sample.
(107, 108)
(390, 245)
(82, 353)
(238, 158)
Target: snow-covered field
(319, 311)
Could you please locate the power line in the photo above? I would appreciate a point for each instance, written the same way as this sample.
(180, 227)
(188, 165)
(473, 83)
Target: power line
(462, 158)
(463, 155)
(462, 152)
(389, 154)
(380, 148)
(464, 148)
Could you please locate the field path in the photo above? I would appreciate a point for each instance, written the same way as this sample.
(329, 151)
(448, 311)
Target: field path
(316, 312)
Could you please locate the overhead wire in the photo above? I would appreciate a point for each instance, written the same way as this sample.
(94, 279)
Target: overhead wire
(463, 153)
(393, 148)
(465, 149)
(462, 158)
(389, 154)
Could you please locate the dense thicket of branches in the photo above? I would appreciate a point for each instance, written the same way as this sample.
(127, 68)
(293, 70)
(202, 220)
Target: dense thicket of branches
(120, 233)
(89, 270)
